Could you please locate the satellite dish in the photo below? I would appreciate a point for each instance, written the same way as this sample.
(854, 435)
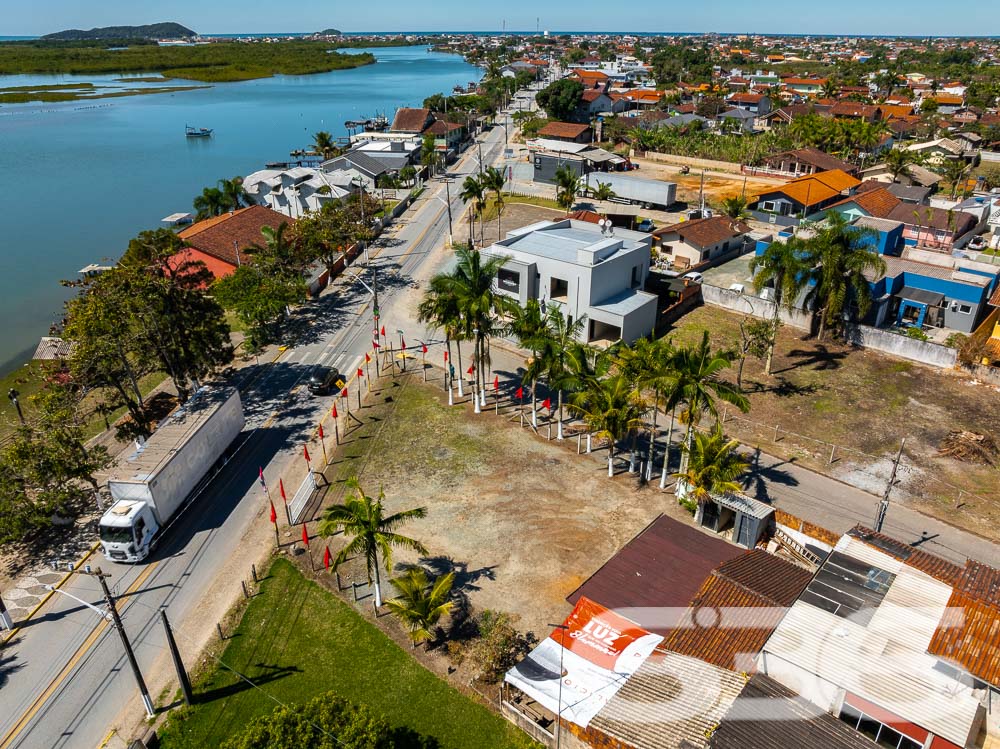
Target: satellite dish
(601, 222)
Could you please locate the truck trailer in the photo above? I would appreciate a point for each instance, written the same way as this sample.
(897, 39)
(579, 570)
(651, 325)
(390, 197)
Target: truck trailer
(152, 485)
(648, 193)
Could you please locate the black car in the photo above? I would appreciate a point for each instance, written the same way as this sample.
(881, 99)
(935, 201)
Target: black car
(322, 380)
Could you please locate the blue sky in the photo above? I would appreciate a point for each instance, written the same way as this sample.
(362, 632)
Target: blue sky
(916, 17)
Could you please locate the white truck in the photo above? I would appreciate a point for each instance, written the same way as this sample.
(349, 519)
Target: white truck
(648, 193)
(153, 484)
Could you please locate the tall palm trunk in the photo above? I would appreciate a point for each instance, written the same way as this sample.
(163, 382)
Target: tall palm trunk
(648, 473)
(378, 583)
(633, 457)
(774, 332)
(822, 324)
(611, 458)
(559, 430)
(666, 449)
(534, 402)
(461, 372)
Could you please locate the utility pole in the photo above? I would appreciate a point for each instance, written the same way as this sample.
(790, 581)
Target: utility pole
(182, 676)
(447, 192)
(883, 505)
(129, 653)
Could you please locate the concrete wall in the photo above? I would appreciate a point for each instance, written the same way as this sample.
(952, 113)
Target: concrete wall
(641, 322)
(670, 158)
(748, 304)
(924, 352)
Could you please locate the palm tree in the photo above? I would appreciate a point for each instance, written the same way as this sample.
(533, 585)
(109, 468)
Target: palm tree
(611, 409)
(567, 187)
(234, 194)
(830, 88)
(735, 207)
(713, 465)
(324, 145)
(840, 258)
(438, 309)
(603, 191)
(493, 180)
(474, 191)
(648, 364)
(527, 324)
(698, 370)
(362, 520)
(211, 202)
(421, 603)
(563, 337)
(782, 266)
(898, 161)
(473, 284)
(954, 170)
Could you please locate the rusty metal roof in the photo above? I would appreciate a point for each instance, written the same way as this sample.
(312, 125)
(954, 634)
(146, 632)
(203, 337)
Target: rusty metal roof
(938, 568)
(968, 635)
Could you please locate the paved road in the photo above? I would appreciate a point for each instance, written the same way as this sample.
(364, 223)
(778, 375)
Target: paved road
(64, 677)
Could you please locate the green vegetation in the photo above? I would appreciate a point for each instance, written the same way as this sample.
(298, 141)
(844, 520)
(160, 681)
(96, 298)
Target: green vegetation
(216, 62)
(118, 33)
(560, 99)
(80, 92)
(298, 641)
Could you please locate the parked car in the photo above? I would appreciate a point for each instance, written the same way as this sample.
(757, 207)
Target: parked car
(322, 380)
(646, 225)
(694, 276)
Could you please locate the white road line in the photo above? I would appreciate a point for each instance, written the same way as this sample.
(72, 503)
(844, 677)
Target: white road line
(306, 357)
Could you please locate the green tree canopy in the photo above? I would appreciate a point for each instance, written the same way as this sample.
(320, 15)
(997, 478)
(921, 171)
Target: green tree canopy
(561, 98)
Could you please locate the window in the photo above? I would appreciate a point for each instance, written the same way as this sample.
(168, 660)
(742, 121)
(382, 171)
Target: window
(768, 205)
(880, 733)
(965, 309)
(509, 280)
(558, 288)
(636, 269)
(140, 529)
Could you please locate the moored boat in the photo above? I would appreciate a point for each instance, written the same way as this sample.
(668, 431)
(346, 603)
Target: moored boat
(197, 132)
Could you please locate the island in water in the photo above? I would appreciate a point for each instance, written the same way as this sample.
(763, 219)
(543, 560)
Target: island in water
(167, 30)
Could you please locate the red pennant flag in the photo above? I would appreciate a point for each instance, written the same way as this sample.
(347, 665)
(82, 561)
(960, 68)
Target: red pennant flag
(547, 404)
(402, 343)
(333, 411)
(281, 488)
(305, 535)
(520, 394)
(274, 515)
(496, 383)
(423, 349)
(321, 431)
(375, 345)
(344, 393)
(262, 484)
(445, 357)
(327, 558)
(367, 358)
(305, 452)
(361, 373)
(470, 370)
(382, 332)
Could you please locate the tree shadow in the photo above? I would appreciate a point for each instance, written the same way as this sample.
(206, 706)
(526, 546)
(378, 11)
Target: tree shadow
(8, 666)
(268, 673)
(819, 358)
(782, 388)
(756, 480)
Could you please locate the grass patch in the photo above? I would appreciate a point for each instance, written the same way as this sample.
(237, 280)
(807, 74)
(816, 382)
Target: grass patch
(297, 640)
(8, 96)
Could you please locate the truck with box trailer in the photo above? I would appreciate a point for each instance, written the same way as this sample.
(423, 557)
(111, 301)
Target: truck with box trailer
(648, 193)
(152, 485)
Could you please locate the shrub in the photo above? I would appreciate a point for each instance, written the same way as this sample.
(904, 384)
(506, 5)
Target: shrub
(917, 334)
(500, 645)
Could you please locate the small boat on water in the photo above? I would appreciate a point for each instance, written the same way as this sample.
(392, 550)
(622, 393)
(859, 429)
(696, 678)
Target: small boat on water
(197, 132)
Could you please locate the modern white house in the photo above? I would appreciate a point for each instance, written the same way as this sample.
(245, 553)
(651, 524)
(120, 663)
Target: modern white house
(591, 271)
(298, 190)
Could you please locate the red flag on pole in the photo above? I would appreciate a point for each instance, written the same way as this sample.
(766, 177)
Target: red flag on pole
(375, 344)
(361, 373)
(333, 411)
(423, 349)
(262, 484)
(520, 394)
(281, 488)
(402, 343)
(367, 358)
(496, 383)
(305, 535)
(382, 331)
(547, 403)
(305, 452)
(274, 515)
(343, 394)
(321, 431)
(326, 558)
(445, 357)
(470, 370)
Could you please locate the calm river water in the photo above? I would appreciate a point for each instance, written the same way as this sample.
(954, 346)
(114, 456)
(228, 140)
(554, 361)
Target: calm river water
(82, 178)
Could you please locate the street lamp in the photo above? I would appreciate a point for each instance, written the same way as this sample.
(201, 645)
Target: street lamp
(13, 395)
(562, 673)
(364, 227)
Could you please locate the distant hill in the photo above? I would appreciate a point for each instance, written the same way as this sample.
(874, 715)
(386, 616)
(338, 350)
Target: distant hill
(151, 31)
(329, 32)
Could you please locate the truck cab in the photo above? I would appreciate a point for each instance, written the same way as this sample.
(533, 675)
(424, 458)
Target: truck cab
(127, 531)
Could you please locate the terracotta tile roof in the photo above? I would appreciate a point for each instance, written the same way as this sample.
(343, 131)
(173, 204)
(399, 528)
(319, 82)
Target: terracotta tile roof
(591, 217)
(756, 587)
(218, 236)
(440, 127)
(563, 130)
(746, 98)
(969, 635)
(812, 156)
(938, 568)
(995, 299)
(594, 75)
(816, 188)
(705, 232)
(980, 581)
(409, 120)
(786, 720)
(854, 109)
(836, 179)
(877, 202)
(662, 567)
(955, 223)
(592, 94)
(895, 111)
(947, 99)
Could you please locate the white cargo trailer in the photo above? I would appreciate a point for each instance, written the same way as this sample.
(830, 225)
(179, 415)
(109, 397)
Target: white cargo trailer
(649, 193)
(150, 486)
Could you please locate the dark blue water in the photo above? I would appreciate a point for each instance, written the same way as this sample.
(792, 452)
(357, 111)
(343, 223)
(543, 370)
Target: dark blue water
(82, 178)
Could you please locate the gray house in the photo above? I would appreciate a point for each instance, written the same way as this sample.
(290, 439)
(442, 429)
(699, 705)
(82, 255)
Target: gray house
(586, 269)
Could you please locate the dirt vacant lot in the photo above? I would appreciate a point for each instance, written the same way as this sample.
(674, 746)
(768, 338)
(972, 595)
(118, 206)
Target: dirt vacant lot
(824, 393)
(523, 521)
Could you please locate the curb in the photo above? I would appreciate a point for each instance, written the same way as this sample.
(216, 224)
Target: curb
(10, 635)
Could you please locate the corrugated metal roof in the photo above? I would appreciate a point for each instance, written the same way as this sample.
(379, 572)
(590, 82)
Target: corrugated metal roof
(935, 566)
(768, 715)
(768, 576)
(671, 699)
(968, 635)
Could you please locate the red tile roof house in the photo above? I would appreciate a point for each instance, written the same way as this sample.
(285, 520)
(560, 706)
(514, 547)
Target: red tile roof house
(569, 132)
(222, 243)
(408, 120)
(755, 103)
